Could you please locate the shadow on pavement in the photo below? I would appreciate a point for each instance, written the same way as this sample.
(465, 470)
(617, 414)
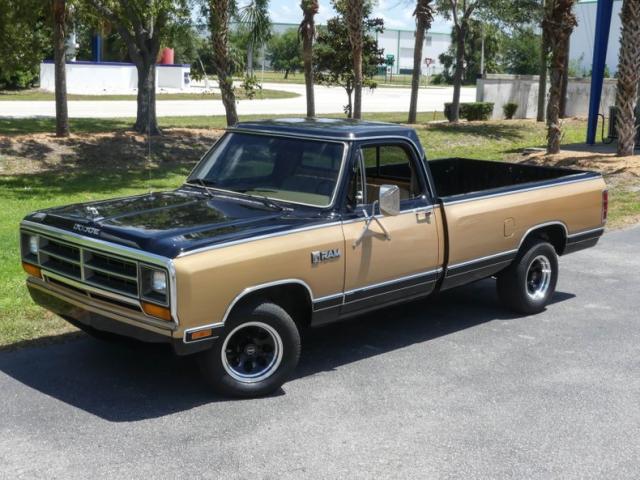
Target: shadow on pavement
(122, 383)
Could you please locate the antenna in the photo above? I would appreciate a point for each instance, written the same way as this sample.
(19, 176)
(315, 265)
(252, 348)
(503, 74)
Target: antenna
(149, 134)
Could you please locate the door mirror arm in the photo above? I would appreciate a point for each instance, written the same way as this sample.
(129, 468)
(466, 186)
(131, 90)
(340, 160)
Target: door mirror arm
(369, 218)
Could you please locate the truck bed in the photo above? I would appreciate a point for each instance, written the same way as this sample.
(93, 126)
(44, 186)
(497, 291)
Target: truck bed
(463, 176)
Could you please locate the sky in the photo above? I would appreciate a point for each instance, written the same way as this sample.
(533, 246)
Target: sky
(397, 14)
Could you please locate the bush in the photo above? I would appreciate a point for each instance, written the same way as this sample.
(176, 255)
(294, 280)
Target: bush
(471, 111)
(509, 110)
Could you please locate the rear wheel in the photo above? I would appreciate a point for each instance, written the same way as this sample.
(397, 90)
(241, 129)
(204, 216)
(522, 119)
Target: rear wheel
(527, 285)
(257, 353)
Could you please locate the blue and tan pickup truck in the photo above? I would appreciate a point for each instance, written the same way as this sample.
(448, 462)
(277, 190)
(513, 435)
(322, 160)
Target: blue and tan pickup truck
(296, 223)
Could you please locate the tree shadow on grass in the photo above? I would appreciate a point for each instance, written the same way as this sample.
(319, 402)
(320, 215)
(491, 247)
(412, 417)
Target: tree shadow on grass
(98, 164)
(486, 130)
(123, 383)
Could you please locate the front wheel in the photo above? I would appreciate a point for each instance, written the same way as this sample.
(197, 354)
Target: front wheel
(256, 354)
(527, 285)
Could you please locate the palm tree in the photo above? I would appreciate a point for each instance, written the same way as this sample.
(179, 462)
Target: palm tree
(59, 10)
(255, 18)
(424, 17)
(558, 22)
(542, 81)
(628, 77)
(354, 17)
(307, 31)
(219, 13)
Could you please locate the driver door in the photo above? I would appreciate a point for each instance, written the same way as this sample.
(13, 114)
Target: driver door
(394, 257)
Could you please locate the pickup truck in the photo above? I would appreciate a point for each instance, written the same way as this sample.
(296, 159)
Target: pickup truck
(289, 224)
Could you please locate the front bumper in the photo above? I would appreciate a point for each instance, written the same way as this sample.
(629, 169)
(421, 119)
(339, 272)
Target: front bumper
(77, 308)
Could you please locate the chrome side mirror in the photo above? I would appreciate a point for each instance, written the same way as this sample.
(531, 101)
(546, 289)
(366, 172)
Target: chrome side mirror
(389, 196)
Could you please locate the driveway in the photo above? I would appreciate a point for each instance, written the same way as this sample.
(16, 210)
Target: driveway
(328, 100)
(453, 387)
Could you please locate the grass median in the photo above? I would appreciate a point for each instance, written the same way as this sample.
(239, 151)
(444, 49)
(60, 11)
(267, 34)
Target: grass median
(102, 159)
(41, 95)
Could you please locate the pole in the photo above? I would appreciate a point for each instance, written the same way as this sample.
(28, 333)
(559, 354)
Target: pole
(482, 53)
(603, 26)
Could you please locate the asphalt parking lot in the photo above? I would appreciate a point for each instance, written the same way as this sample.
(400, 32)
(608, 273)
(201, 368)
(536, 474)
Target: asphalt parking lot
(453, 387)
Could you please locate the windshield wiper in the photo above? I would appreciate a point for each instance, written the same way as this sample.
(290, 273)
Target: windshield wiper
(266, 201)
(201, 182)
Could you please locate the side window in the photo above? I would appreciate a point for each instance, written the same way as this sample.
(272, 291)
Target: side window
(391, 165)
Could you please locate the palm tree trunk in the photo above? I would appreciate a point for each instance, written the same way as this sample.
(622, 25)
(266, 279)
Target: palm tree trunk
(250, 59)
(542, 81)
(565, 80)
(355, 17)
(559, 22)
(457, 76)
(307, 31)
(628, 77)
(59, 34)
(424, 17)
(219, 11)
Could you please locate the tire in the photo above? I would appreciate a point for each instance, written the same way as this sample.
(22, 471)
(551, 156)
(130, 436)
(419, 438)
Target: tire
(256, 355)
(527, 285)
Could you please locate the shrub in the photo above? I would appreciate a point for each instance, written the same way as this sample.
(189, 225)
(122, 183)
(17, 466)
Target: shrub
(509, 109)
(471, 111)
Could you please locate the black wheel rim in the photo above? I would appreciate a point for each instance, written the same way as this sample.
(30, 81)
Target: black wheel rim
(252, 352)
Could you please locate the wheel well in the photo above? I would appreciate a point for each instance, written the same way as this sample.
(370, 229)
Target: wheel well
(555, 234)
(293, 297)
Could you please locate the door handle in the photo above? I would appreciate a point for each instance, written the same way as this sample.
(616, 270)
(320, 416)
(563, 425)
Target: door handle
(424, 215)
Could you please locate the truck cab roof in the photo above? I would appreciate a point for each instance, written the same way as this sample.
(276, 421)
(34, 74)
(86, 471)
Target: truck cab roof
(330, 128)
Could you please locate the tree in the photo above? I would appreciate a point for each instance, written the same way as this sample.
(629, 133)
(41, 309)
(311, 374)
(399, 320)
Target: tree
(142, 25)
(254, 17)
(522, 52)
(307, 31)
(25, 39)
(424, 16)
(542, 75)
(284, 52)
(628, 77)
(353, 11)
(494, 40)
(461, 12)
(559, 21)
(334, 56)
(219, 12)
(59, 15)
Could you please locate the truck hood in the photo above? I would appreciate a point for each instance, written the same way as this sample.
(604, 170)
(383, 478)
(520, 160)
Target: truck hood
(171, 223)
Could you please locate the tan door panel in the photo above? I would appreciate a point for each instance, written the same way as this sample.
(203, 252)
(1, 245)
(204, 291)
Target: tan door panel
(412, 249)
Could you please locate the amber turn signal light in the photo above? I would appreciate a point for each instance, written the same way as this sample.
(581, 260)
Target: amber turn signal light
(156, 311)
(200, 334)
(32, 270)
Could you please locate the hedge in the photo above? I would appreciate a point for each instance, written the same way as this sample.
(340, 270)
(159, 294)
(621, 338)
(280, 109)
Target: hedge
(471, 110)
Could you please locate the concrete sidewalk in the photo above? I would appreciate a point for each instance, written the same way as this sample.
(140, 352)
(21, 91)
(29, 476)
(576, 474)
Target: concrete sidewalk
(328, 100)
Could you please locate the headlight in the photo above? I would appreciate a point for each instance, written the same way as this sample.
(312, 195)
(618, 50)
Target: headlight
(34, 244)
(159, 282)
(154, 286)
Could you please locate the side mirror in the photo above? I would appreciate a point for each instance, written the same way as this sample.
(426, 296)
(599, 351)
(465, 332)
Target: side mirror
(389, 196)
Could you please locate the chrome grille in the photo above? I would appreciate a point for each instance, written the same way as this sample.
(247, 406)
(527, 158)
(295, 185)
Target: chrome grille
(103, 270)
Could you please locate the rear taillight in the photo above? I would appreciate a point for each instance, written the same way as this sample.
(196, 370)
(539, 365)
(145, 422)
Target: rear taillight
(605, 205)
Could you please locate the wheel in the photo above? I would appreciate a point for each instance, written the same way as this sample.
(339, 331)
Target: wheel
(529, 282)
(257, 353)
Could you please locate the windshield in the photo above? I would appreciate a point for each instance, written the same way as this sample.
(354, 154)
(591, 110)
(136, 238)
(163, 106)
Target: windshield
(290, 169)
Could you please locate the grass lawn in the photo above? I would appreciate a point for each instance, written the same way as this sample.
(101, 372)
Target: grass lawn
(42, 95)
(39, 171)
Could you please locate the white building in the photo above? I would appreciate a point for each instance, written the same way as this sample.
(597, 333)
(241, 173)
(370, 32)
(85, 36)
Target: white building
(583, 37)
(400, 43)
